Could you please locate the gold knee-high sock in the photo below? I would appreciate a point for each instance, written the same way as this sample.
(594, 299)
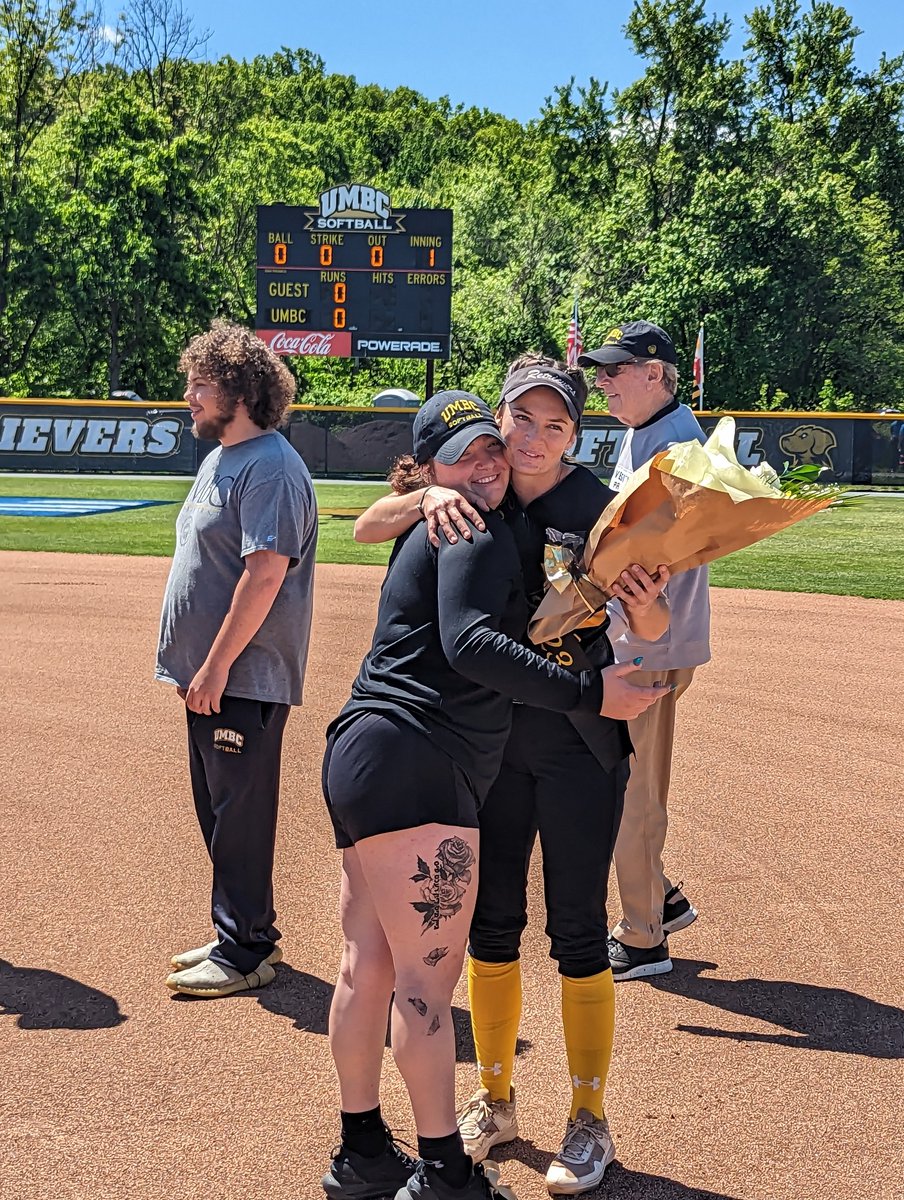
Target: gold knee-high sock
(494, 990)
(588, 1020)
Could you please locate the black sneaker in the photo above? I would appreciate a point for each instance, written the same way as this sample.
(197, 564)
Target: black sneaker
(483, 1185)
(630, 962)
(677, 913)
(353, 1177)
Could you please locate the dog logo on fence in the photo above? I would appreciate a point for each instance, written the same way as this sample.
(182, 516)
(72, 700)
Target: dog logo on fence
(809, 444)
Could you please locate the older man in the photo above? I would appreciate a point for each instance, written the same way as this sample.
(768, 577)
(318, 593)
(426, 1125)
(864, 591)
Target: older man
(636, 368)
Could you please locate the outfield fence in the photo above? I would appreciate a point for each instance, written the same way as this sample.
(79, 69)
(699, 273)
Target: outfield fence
(342, 443)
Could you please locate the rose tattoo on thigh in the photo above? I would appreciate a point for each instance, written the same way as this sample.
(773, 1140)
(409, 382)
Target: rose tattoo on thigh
(443, 886)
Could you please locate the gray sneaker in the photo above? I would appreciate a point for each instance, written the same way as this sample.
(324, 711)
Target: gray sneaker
(484, 1123)
(194, 958)
(582, 1159)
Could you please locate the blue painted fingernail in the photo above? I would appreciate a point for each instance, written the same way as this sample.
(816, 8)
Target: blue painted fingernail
(638, 661)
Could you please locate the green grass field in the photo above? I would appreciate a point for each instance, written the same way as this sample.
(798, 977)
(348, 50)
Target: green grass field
(152, 530)
(856, 550)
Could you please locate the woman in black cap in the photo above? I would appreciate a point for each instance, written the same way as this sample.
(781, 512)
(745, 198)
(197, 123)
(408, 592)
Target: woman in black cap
(409, 760)
(563, 776)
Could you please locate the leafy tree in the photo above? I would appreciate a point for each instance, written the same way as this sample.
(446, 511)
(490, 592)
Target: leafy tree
(43, 46)
(763, 194)
(133, 289)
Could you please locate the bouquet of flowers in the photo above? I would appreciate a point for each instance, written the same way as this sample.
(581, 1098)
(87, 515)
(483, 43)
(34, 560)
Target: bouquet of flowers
(688, 505)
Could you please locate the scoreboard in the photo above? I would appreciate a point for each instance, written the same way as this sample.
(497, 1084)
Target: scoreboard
(355, 278)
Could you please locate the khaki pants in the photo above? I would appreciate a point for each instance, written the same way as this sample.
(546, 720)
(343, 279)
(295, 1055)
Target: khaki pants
(642, 884)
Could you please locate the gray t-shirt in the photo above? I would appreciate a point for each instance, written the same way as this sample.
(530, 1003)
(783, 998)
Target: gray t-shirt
(686, 641)
(256, 495)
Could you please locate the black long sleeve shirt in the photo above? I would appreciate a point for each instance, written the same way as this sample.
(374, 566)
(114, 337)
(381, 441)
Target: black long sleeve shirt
(447, 656)
(573, 506)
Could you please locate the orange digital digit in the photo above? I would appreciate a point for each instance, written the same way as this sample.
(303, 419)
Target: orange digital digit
(339, 318)
(326, 256)
(338, 293)
(432, 257)
(279, 254)
(376, 256)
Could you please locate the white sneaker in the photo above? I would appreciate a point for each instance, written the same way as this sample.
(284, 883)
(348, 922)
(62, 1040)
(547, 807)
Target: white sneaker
(585, 1153)
(194, 958)
(484, 1123)
(209, 979)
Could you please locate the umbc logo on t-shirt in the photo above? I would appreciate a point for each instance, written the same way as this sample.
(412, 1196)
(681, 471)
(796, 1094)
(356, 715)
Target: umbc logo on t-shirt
(228, 740)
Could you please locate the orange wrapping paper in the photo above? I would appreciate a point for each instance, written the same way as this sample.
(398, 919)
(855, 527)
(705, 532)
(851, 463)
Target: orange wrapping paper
(687, 506)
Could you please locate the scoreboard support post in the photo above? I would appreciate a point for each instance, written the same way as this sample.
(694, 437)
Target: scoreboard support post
(428, 382)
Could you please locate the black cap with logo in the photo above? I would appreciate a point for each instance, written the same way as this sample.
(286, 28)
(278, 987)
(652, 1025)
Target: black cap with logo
(634, 339)
(447, 424)
(522, 381)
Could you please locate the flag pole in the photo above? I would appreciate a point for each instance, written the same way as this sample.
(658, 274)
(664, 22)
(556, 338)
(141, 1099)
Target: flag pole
(574, 343)
(697, 393)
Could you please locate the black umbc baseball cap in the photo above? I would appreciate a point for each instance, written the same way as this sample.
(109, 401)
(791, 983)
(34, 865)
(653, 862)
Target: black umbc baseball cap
(634, 339)
(522, 381)
(447, 425)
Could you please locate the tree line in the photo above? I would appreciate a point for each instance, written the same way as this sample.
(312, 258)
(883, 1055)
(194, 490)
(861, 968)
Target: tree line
(761, 194)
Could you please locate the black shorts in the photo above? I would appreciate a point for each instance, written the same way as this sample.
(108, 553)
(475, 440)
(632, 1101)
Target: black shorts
(381, 775)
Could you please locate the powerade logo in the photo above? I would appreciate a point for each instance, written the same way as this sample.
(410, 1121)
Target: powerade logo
(385, 345)
(127, 436)
(354, 206)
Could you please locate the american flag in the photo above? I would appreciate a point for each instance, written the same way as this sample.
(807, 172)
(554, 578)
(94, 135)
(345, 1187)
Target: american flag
(575, 343)
(698, 371)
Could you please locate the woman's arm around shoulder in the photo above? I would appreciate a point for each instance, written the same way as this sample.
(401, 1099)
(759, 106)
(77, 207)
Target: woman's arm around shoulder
(442, 508)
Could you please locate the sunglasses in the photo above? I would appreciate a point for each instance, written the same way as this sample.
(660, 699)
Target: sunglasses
(610, 370)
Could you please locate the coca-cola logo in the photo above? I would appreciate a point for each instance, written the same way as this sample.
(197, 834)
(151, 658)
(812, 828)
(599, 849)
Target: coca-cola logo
(323, 345)
(307, 343)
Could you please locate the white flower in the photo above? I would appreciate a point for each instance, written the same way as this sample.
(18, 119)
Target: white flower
(767, 475)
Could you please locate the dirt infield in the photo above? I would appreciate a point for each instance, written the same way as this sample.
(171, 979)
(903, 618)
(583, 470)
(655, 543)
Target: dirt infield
(768, 1066)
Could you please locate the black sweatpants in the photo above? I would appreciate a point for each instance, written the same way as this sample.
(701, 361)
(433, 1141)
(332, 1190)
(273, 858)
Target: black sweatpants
(550, 783)
(234, 761)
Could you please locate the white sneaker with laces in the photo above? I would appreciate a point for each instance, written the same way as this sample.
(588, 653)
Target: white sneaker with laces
(484, 1123)
(582, 1159)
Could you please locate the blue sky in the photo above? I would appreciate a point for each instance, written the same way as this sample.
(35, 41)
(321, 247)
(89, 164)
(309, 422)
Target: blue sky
(505, 55)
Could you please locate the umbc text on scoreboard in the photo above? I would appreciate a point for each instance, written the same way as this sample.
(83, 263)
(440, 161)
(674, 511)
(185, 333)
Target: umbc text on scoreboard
(355, 278)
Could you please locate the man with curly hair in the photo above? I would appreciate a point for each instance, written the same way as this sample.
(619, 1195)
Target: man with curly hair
(234, 639)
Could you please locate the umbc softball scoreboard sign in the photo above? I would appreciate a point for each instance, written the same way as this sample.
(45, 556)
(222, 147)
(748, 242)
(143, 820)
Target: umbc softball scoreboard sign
(355, 278)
